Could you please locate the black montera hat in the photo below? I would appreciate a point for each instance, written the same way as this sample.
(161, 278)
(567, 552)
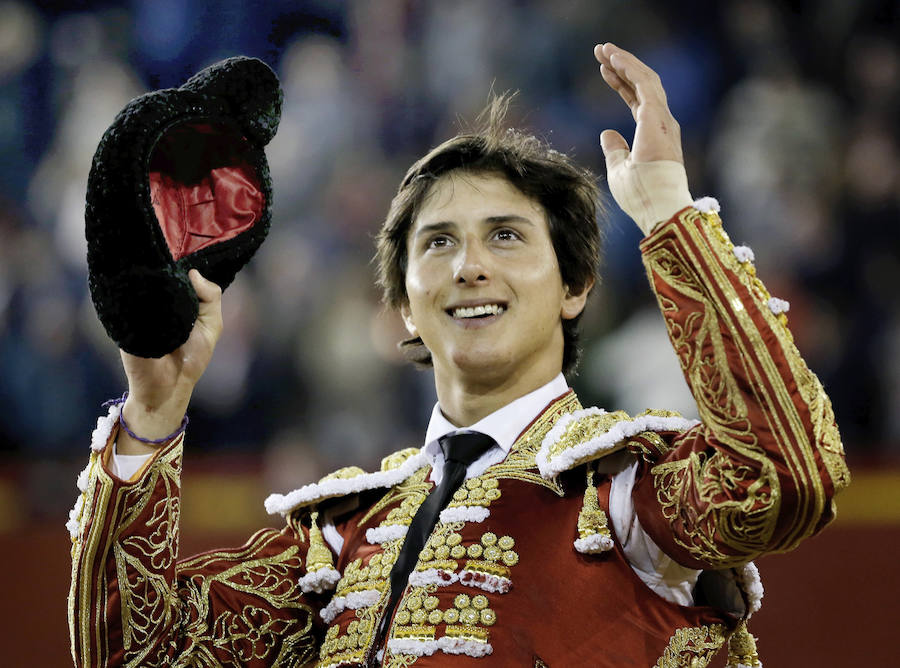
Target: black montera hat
(179, 181)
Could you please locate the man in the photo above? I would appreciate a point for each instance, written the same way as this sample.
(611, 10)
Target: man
(565, 536)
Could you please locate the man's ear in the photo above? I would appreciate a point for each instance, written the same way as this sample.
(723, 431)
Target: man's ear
(573, 302)
(406, 314)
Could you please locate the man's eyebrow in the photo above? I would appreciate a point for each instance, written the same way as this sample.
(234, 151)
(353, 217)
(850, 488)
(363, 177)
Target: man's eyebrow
(440, 226)
(510, 218)
(444, 225)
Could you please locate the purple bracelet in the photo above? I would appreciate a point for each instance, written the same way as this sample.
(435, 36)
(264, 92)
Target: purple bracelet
(148, 441)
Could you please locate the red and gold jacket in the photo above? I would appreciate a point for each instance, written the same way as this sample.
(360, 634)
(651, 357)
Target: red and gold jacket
(522, 568)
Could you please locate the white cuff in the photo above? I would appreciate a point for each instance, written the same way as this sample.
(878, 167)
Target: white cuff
(125, 466)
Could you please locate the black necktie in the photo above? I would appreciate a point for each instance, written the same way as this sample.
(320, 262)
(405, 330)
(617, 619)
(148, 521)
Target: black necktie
(460, 450)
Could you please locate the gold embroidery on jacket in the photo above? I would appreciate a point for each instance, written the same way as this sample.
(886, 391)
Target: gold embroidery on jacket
(826, 437)
(346, 473)
(148, 604)
(351, 643)
(84, 584)
(662, 447)
(520, 463)
(167, 613)
(584, 429)
(410, 493)
(419, 613)
(476, 492)
(351, 646)
(742, 520)
(401, 660)
(443, 551)
(395, 459)
(692, 647)
(251, 632)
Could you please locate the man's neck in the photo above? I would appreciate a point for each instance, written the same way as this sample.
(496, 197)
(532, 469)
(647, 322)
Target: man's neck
(465, 401)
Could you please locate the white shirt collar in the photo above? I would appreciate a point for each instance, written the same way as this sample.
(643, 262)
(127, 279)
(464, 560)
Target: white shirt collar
(503, 425)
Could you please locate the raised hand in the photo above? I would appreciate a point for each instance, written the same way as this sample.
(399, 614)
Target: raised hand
(657, 135)
(647, 179)
(159, 390)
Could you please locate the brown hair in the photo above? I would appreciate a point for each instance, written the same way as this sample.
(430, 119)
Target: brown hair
(567, 192)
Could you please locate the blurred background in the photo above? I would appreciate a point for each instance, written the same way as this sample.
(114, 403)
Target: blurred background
(789, 116)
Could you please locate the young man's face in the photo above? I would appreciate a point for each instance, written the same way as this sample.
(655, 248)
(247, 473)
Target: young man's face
(483, 283)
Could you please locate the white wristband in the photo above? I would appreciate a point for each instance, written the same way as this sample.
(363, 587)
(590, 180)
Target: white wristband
(649, 192)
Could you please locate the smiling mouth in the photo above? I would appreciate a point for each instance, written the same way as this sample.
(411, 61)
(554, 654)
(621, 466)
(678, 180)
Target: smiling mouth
(481, 311)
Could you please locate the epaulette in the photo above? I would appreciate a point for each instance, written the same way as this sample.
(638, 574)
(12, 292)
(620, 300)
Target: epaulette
(395, 468)
(591, 433)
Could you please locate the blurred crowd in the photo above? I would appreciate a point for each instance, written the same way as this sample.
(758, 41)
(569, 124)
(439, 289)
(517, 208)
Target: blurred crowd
(789, 115)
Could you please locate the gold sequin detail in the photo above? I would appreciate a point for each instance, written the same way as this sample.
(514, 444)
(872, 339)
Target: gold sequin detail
(468, 616)
(488, 617)
(510, 558)
(357, 577)
(488, 567)
(467, 632)
(492, 553)
(444, 565)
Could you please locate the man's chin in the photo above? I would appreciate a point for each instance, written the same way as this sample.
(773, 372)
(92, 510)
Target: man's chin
(481, 363)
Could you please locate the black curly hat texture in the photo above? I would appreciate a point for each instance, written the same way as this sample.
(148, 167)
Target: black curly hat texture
(179, 181)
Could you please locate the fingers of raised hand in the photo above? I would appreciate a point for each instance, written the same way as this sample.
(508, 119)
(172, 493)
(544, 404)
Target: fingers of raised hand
(625, 91)
(633, 72)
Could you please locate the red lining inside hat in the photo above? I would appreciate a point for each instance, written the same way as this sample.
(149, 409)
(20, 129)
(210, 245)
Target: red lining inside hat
(203, 187)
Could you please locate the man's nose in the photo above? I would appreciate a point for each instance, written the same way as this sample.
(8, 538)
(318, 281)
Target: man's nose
(472, 265)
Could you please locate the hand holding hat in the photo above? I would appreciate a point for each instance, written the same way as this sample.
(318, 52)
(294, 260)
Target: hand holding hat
(179, 181)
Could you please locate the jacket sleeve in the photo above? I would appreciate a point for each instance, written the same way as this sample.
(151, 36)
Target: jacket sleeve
(759, 473)
(133, 603)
